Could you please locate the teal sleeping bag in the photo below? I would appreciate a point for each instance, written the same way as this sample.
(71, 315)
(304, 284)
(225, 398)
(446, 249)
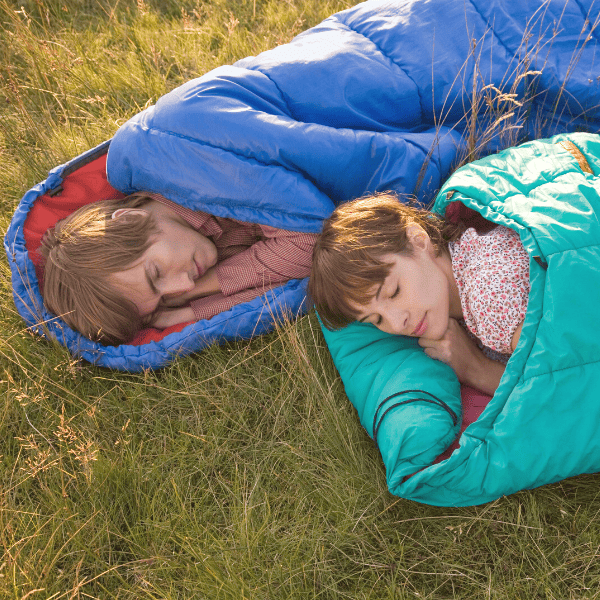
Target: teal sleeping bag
(542, 424)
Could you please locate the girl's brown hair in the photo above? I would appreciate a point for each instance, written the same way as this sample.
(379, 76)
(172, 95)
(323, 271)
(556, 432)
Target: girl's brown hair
(347, 264)
(80, 252)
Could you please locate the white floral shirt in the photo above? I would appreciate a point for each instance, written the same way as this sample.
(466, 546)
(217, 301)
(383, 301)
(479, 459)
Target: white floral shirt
(492, 274)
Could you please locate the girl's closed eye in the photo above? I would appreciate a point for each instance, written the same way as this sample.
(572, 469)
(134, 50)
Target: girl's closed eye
(396, 292)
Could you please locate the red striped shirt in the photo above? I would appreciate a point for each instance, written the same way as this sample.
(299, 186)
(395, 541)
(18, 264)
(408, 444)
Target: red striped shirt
(251, 258)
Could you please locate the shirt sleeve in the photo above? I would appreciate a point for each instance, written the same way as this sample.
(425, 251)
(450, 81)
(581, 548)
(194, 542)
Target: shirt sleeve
(283, 255)
(209, 306)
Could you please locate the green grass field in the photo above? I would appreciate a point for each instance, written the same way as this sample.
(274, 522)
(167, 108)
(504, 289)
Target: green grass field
(241, 472)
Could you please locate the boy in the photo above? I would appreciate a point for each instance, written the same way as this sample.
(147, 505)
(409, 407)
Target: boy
(115, 266)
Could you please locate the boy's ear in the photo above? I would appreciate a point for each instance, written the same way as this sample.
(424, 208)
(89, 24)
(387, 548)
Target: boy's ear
(417, 236)
(120, 212)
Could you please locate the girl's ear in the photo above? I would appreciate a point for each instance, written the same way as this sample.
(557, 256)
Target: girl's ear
(418, 238)
(120, 212)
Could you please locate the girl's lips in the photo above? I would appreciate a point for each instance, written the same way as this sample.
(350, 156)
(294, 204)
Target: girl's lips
(421, 328)
(200, 270)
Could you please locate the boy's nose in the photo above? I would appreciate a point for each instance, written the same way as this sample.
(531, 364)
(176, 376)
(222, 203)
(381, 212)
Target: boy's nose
(178, 284)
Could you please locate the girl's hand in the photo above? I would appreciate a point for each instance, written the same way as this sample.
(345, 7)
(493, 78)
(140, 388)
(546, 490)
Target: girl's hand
(206, 285)
(459, 351)
(165, 317)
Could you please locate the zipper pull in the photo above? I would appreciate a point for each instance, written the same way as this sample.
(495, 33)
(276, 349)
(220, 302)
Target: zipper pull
(542, 263)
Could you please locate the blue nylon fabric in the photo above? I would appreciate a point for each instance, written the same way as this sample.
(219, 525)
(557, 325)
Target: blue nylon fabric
(373, 98)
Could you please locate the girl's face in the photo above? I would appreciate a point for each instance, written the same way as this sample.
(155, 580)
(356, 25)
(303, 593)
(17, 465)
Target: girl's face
(418, 296)
(177, 257)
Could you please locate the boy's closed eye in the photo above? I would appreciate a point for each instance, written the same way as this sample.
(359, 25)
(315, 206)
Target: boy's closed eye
(155, 276)
(152, 276)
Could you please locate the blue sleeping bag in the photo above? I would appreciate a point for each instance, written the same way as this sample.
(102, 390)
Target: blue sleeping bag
(374, 98)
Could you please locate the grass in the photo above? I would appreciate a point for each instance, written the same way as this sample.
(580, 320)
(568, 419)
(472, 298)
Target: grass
(242, 472)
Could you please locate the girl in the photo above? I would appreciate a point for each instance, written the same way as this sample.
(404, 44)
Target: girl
(409, 272)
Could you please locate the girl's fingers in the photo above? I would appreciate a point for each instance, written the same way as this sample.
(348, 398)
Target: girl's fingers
(431, 352)
(427, 343)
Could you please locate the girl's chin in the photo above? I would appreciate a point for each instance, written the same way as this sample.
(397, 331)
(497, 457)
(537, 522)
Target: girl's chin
(435, 334)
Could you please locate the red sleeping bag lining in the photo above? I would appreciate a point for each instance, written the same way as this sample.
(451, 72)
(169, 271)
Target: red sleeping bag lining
(84, 185)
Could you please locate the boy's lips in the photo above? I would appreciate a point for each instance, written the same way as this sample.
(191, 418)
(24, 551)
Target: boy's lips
(200, 269)
(421, 328)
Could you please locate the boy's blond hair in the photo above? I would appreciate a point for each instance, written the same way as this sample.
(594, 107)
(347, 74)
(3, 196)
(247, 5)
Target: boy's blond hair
(347, 263)
(80, 252)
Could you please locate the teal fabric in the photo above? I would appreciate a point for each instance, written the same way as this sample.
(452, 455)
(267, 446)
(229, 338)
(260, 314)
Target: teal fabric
(542, 424)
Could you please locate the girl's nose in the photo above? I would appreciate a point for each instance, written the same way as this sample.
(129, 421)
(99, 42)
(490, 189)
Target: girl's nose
(399, 321)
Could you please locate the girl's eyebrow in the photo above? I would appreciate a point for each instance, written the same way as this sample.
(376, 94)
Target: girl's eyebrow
(377, 298)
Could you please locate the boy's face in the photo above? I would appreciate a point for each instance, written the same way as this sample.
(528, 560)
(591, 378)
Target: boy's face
(417, 298)
(175, 260)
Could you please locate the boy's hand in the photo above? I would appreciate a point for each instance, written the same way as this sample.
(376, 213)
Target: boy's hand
(459, 351)
(165, 317)
(206, 285)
